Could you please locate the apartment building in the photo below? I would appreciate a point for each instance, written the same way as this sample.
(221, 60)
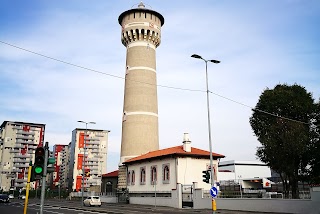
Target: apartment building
(18, 141)
(64, 166)
(89, 150)
(58, 152)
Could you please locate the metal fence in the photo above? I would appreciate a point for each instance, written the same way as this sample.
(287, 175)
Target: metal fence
(255, 194)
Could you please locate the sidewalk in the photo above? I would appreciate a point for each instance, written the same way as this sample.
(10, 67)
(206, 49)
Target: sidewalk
(117, 208)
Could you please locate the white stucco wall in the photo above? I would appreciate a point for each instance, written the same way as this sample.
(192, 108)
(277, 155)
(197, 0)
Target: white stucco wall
(190, 170)
(183, 170)
(147, 187)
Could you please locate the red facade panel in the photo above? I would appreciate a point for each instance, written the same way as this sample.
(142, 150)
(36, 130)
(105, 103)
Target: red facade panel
(81, 140)
(80, 160)
(78, 183)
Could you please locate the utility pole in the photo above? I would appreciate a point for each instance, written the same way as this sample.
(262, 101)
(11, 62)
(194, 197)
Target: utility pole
(44, 176)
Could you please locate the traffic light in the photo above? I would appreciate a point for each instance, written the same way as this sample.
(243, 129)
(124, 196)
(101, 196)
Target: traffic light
(206, 176)
(50, 165)
(38, 167)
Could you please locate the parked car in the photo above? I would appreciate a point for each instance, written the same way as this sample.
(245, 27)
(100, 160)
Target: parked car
(22, 197)
(92, 201)
(4, 198)
(11, 196)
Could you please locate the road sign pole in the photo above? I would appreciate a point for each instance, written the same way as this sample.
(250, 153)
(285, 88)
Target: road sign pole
(214, 193)
(27, 190)
(43, 185)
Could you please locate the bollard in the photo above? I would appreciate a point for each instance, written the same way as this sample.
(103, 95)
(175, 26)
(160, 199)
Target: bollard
(214, 205)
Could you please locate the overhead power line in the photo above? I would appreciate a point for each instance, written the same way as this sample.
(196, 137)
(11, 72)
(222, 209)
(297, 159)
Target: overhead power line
(163, 86)
(255, 109)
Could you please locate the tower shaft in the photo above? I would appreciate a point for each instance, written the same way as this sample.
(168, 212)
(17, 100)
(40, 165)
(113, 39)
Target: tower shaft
(141, 32)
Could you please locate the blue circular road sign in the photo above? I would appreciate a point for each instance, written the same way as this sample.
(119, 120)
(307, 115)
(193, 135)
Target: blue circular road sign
(213, 192)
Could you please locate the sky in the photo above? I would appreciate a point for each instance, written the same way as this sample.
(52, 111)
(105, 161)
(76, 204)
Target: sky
(75, 65)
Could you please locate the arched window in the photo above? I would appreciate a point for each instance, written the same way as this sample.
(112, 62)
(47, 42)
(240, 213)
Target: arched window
(133, 177)
(165, 173)
(142, 175)
(153, 175)
(128, 178)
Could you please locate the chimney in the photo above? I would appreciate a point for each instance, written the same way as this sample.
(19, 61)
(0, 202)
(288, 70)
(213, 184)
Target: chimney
(186, 142)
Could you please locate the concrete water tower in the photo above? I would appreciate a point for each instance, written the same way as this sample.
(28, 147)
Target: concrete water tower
(141, 35)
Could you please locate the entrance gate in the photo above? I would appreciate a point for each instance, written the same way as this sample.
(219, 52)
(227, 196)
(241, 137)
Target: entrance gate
(123, 196)
(187, 195)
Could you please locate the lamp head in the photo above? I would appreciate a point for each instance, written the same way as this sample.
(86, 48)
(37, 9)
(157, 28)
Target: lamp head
(196, 56)
(214, 61)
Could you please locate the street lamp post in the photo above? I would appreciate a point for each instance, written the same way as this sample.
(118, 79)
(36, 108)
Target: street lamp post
(84, 154)
(209, 126)
(208, 108)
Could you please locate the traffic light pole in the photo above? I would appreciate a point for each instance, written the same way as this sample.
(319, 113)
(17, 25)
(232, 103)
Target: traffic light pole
(43, 185)
(27, 190)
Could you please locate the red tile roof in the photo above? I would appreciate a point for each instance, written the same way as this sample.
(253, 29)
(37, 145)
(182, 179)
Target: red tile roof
(111, 174)
(177, 151)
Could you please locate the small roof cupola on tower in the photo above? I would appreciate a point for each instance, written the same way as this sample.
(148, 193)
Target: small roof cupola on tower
(186, 142)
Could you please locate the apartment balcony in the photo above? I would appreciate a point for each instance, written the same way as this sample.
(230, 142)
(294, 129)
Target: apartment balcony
(29, 142)
(90, 181)
(30, 146)
(100, 135)
(91, 164)
(19, 160)
(95, 151)
(91, 146)
(93, 142)
(16, 170)
(11, 175)
(21, 156)
(31, 152)
(25, 137)
(20, 185)
(92, 138)
(20, 131)
(94, 168)
(21, 180)
(15, 151)
(19, 165)
(94, 172)
(19, 146)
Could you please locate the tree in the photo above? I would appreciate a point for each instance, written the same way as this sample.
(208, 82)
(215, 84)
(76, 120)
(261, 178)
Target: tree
(312, 172)
(284, 142)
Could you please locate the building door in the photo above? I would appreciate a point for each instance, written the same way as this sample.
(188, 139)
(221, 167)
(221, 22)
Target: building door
(187, 195)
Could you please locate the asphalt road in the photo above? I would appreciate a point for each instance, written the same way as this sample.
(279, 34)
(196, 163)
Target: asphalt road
(74, 207)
